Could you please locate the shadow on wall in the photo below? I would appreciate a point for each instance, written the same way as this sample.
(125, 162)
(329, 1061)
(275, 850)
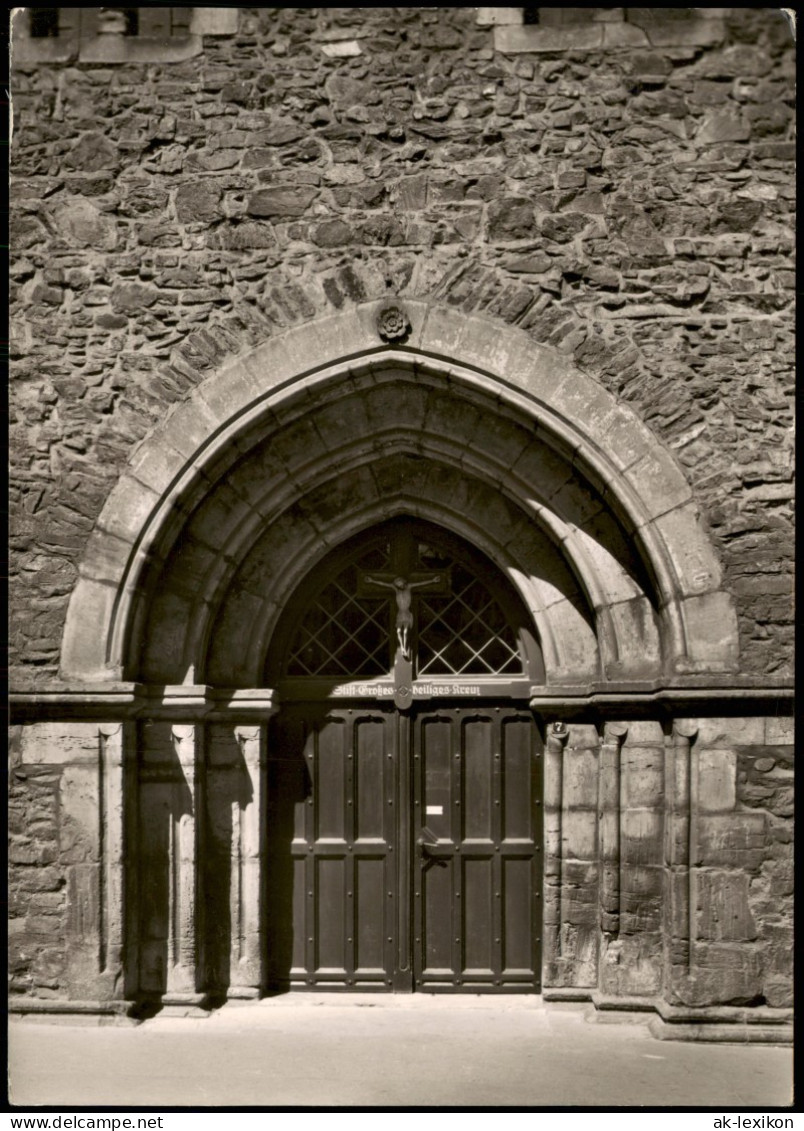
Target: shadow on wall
(165, 802)
(289, 787)
(228, 792)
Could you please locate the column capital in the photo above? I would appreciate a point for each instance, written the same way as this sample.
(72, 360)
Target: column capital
(247, 732)
(181, 731)
(557, 733)
(614, 733)
(107, 730)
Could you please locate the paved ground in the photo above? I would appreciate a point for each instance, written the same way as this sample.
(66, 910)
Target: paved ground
(415, 1051)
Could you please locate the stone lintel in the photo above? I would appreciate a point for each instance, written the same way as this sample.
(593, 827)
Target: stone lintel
(122, 700)
(512, 39)
(624, 35)
(214, 21)
(779, 731)
(703, 692)
(119, 700)
(492, 17)
(139, 49)
(44, 51)
(686, 33)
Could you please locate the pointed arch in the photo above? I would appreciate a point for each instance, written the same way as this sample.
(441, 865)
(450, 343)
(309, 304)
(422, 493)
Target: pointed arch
(515, 445)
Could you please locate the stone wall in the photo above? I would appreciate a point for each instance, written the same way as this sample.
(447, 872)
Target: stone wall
(650, 897)
(669, 863)
(744, 855)
(66, 856)
(736, 881)
(631, 207)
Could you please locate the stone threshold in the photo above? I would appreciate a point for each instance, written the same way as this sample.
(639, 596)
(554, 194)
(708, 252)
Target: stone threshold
(58, 1012)
(380, 1000)
(722, 1024)
(725, 1023)
(734, 1034)
(93, 1013)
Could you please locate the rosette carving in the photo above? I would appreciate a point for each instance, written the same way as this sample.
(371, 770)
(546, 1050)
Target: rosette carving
(393, 324)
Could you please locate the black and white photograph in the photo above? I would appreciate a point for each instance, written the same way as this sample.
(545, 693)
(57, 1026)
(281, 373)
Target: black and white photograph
(401, 631)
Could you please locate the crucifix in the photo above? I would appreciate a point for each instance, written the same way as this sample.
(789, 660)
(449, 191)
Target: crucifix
(401, 584)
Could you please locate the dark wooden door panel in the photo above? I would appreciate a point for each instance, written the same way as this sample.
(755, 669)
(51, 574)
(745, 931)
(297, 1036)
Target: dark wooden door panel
(476, 777)
(517, 754)
(518, 927)
(327, 750)
(372, 930)
(435, 934)
(478, 918)
(476, 897)
(366, 890)
(331, 815)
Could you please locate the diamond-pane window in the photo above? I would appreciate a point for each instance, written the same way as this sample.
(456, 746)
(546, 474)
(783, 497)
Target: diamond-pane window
(343, 634)
(466, 633)
(459, 628)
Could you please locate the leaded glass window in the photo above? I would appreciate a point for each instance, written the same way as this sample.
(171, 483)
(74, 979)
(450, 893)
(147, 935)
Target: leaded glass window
(346, 630)
(465, 633)
(343, 634)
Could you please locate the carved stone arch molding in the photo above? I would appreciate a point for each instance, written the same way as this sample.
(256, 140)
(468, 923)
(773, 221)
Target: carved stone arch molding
(331, 427)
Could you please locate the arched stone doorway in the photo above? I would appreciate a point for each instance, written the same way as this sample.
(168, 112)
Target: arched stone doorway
(285, 459)
(461, 417)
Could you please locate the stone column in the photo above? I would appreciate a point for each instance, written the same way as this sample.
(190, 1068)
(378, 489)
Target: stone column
(609, 808)
(87, 761)
(116, 747)
(184, 929)
(557, 735)
(679, 914)
(246, 965)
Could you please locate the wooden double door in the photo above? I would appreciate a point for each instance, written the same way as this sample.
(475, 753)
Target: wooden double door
(404, 849)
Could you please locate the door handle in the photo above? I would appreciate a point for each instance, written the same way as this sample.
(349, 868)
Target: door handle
(435, 851)
(431, 849)
(426, 838)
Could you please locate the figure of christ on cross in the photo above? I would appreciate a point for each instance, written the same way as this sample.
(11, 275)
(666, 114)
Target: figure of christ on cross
(402, 590)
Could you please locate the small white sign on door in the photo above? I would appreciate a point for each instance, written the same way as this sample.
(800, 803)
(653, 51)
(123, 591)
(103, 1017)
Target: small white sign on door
(435, 810)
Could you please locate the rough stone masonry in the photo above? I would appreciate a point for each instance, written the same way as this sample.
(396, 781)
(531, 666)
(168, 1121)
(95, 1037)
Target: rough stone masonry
(623, 196)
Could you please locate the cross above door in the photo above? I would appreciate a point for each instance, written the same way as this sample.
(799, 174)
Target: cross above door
(400, 579)
(401, 587)
(403, 605)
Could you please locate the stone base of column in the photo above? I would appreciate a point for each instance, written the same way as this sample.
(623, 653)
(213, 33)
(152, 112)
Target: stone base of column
(566, 993)
(242, 993)
(735, 1033)
(184, 1005)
